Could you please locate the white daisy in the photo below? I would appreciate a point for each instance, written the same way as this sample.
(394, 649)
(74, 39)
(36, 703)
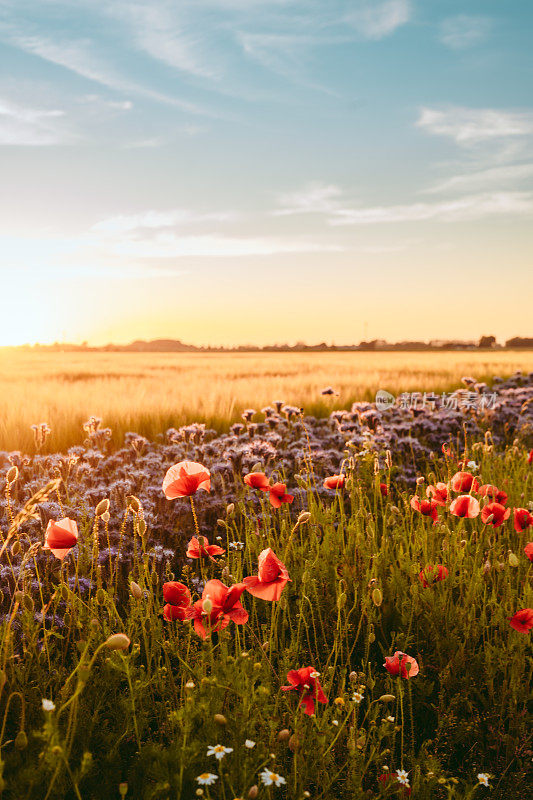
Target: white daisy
(357, 697)
(269, 778)
(48, 705)
(207, 778)
(249, 744)
(483, 778)
(402, 777)
(218, 750)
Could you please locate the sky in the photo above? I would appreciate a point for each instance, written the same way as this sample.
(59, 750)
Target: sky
(264, 171)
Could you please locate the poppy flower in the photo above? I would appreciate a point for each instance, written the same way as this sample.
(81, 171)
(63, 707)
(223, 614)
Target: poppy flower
(522, 621)
(60, 537)
(465, 506)
(335, 482)
(384, 489)
(257, 480)
(200, 546)
(401, 664)
(278, 495)
(530, 457)
(528, 550)
(385, 778)
(224, 607)
(426, 507)
(432, 574)
(495, 494)
(305, 682)
(522, 519)
(439, 493)
(177, 598)
(495, 514)
(185, 478)
(464, 482)
(271, 577)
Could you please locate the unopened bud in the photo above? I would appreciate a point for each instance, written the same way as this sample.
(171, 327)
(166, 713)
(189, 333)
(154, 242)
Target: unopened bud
(513, 560)
(294, 743)
(207, 605)
(102, 507)
(377, 597)
(230, 508)
(21, 740)
(284, 735)
(123, 789)
(136, 590)
(304, 517)
(133, 503)
(117, 641)
(106, 516)
(220, 719)
(12, 475)
(253, 792)
(387, 698)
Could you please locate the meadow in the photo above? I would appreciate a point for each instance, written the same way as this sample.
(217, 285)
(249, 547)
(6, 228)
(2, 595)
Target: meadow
(148, 393)
(334, 608)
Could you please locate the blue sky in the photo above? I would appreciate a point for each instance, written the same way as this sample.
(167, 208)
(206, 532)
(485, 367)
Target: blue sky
(231, 171)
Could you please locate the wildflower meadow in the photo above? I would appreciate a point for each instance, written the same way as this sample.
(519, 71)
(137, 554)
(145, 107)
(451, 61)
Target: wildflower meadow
(336, 608)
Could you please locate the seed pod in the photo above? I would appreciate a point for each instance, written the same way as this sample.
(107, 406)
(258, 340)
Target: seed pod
(220, 719)
(283, 735)
(117, 641)
(12, 475)
(102, 507)
(136, 590)
(377, 597)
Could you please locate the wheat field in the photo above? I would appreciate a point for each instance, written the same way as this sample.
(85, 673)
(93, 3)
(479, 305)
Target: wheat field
(150, 392)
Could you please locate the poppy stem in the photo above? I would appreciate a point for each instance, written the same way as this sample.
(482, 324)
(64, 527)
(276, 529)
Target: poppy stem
(193, 509)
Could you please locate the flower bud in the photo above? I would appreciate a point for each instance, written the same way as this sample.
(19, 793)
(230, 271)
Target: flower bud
(254, 791)
(21, 740)
(283, 735)
(513, 560)
(230, 508)
(220, 719)
(377, 597)
(106, 516)
(133, 503)
(123, 789)
(12, 475)
(117, 641)
(142, 527)
(304, 517)
(207, 605)
(136, 590)
(387, 698)
(102, 507)
(294, 743)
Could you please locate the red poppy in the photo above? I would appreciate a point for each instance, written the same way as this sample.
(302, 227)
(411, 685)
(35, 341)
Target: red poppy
(177, 598)
(465, 506)
(426, 507)
(257, 480)
(385, 779)
(432, 574)
(530, 457)
(305, 681)
(495, 514)
(522, 621)
(528, 550)
(464, 482)
(439, 493)
(278, 495)
(335, 482)
(225, 607)
(522, 519)
(447, 450)
(401, 664)
(185, 478)
(60, 537)
(384, 489)
(271, 577)
(495, 494)
(201, 547)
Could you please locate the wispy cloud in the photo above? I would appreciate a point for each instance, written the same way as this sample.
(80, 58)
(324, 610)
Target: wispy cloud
(497, 177)
(339, 212)
(23, 126)
(209, 246)
(463, 31)
(154, 220)
(375, 20)
(469, 126)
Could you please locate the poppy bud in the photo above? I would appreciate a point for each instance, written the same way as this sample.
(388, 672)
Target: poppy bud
(254, 791)
(123, 789)
(102, 507)
(387, 698)
(230, 508)
(154, 578)
(284, 735)
(221, 523)
(420, 481)
(27, 602)
(142, 527)
(265, 646)
(21, 740)
(117, 641)
(12, 475)
(513, 560)
(207, 605)
(341, 602)
(136, 590)
(294, 743)
(19, 596)
(15, 548)
(220, 719)
(133, 503)
(377, 597)
(304, 517)
(106, 516)
(353, 676)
